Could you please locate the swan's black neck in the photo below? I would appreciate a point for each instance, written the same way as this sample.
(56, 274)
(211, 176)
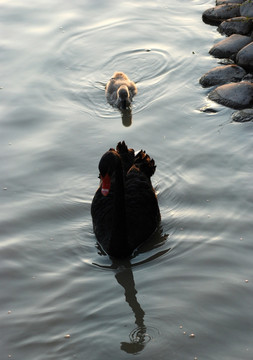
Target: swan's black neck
(118, 243)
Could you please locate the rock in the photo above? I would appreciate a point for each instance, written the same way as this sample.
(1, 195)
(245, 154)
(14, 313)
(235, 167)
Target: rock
(243, 115)
(221, 2)
(246, 9)
(222, 75)
(244, 57)
(248, 77)
(230, 46)
(234, 95)
(239, 25)
(234, 82)
(217, 14)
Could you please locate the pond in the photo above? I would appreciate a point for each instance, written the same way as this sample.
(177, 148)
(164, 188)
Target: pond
(188, 293)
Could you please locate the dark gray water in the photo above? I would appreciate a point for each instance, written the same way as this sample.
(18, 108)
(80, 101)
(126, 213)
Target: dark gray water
(60, 298)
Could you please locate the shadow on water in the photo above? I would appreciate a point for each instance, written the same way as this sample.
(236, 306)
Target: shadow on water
(142, 334)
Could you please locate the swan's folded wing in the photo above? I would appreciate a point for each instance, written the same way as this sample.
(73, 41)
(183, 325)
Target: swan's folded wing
(145, 163)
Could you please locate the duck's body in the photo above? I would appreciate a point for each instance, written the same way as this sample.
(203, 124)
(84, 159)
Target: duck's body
(124, 209)
(120, 90)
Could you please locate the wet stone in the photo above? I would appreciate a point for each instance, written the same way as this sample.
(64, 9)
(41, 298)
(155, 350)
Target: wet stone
(222, 74)
(246, 9)
(248, 77)
(244, 57)
(235, 95)
(229, 47)
(234, 81)
(217, 14)
(221, 2)
(239, 25)
(243, 116)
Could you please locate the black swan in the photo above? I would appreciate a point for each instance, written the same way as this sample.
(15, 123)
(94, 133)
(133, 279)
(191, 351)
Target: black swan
(124, 209)
(120, 90)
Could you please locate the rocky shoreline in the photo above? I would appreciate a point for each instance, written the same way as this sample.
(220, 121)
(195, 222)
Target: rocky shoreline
(234, 80)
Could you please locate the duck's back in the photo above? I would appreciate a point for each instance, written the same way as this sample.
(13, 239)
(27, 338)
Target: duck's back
(118, 79)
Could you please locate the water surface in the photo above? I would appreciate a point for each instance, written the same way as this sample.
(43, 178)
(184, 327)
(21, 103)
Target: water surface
(188, 293)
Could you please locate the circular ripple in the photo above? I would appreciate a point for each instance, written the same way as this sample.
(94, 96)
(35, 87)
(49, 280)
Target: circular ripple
(149, 69)
(139, 338)
(81, 70)
(144, 64)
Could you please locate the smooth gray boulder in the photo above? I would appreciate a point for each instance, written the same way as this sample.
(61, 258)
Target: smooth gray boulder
(248, 77)
(222, 75)
(243, 115)
(244, 57)
(246, 9)
(217, 14)
(221, 2)
(230, 46)
(239, 25)
(234, 95)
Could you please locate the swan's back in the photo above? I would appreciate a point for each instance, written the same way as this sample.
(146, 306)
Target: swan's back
(142, 213)
(142, 209)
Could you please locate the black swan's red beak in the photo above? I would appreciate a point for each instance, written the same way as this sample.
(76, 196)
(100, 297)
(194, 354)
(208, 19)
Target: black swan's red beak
(106, 184)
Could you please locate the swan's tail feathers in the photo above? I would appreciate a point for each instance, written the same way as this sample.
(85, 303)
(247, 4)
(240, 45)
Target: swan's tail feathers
(126, 155)
(122, 147)
(145, 163)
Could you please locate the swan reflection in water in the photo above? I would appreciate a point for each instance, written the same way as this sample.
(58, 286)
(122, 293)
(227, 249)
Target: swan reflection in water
(140, 336)
(137, 341)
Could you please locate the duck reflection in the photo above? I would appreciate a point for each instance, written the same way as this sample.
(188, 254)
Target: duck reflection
(126, 116)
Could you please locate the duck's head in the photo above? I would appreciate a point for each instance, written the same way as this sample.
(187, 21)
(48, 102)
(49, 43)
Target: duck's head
(123, 97)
